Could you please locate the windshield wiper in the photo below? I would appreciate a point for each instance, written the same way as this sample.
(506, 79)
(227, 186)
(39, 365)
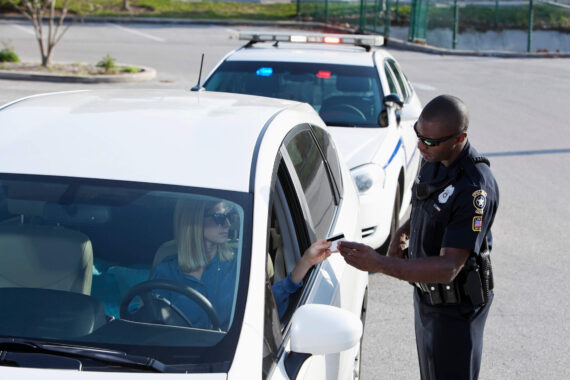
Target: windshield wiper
(78, 352)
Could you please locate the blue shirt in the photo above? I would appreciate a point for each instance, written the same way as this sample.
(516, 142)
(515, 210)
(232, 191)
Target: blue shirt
(218, 286)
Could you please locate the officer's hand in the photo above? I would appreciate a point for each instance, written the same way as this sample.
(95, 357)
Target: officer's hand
(398, 246)
(358, 255)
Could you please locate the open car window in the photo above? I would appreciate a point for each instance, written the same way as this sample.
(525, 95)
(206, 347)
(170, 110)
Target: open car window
(74, 254)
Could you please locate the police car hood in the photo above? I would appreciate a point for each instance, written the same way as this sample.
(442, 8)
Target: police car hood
(358, 145)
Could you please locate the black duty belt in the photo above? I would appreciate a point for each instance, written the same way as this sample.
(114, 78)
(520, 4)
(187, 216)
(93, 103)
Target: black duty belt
(472, 285)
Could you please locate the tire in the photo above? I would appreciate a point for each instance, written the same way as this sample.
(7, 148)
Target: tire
(394, 221)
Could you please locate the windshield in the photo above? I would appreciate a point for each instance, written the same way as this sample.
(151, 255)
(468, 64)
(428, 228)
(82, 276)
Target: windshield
(343, 95)
(145, 269)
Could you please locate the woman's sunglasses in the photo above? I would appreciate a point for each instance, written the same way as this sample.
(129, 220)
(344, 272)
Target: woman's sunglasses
(220, 218)
(431, 142)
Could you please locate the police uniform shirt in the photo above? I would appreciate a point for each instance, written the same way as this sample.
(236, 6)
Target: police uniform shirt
(458, 208)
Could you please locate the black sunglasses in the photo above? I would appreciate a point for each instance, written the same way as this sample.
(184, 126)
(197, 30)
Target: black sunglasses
(220, 218)
(431, 142)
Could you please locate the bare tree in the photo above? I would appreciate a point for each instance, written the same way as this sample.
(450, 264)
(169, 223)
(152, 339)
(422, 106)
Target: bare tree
(36, 11)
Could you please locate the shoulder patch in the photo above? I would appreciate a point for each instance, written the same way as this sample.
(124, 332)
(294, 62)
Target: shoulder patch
(477, 223)
(479, 200)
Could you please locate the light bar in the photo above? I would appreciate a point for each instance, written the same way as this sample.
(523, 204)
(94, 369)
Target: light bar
(346, 39)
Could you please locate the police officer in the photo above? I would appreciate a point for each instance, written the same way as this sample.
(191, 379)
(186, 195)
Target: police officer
(448, 239)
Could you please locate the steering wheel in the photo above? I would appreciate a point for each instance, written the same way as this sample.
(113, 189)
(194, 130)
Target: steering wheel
(345, 108)
(157, 309)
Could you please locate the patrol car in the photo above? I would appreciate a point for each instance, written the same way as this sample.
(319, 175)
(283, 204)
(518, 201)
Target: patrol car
(89, 182)
(359, 91)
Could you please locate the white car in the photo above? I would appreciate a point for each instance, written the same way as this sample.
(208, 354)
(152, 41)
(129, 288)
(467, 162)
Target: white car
(90, 188)
(359, 91)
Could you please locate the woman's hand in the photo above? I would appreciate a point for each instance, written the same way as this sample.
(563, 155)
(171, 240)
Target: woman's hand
(315, 254)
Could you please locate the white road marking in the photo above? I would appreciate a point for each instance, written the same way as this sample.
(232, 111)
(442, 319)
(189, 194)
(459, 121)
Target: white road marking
(142, 34)
(425, 87)
(24, 29)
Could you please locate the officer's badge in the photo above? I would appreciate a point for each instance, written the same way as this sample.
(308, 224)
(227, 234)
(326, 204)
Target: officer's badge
(477, 223)
(445, 194)
(479, 201)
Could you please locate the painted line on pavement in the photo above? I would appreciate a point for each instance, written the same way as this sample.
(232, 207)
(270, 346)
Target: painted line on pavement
(24, 29)
(142, 34)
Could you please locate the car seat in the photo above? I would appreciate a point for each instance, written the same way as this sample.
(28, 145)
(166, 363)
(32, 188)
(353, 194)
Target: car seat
(43, 256)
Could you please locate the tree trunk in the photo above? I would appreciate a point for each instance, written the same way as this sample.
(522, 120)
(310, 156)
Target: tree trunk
(126, 6)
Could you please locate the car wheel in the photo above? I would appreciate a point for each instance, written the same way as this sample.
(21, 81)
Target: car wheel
(394, 221)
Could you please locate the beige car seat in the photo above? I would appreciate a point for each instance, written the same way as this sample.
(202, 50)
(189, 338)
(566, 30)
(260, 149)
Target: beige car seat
(47, 257)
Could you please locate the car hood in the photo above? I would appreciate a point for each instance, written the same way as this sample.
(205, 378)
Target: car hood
(358, 146)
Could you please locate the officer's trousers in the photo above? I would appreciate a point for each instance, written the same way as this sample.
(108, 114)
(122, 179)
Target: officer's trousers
(449, 339)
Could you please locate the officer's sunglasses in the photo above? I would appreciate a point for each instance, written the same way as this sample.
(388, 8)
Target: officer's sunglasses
(431, 142)
(220, 219)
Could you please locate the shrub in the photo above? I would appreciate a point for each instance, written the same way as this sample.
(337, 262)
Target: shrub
(108, 63)
(8, 55)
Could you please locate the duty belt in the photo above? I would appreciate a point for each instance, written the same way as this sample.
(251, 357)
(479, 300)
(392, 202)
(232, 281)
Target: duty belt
(472, 285)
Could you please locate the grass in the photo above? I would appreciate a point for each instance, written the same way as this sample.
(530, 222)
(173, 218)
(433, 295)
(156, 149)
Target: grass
(474, 17)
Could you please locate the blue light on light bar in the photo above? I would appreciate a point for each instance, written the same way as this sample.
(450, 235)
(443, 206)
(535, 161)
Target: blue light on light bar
(264, 72)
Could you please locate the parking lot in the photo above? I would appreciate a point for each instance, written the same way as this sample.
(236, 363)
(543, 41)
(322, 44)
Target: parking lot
(519, 111)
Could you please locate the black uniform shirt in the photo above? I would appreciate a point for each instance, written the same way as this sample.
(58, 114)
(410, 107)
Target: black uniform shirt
(460, 207)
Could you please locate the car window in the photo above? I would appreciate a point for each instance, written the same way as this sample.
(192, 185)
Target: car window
(331, 157)
(392, 81)
(74, 251)
(313, 176)
(344, 95)
(402, 81)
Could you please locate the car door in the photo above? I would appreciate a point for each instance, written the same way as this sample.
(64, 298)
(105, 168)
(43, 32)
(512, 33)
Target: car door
(408, 115)
(304, 203)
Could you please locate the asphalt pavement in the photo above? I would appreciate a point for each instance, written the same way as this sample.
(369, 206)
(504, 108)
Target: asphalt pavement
(519, 114)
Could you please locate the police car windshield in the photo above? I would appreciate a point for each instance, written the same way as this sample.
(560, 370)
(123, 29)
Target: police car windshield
(84, 263)
(343, 95)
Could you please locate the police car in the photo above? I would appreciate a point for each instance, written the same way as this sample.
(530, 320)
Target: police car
(90, 184)
(359, 91)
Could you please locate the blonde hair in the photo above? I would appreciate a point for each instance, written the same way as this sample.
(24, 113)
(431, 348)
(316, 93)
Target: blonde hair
(189, 234)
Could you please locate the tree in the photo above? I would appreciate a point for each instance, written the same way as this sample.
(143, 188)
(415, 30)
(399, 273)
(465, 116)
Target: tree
(126, 6)
(36, 11)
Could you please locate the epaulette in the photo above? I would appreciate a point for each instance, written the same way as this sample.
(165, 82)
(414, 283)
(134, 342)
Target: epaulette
(481, 159)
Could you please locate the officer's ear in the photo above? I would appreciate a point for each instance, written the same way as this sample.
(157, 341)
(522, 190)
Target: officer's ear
(461, 137)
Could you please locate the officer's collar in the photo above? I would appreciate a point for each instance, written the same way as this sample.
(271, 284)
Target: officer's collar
(456, 164)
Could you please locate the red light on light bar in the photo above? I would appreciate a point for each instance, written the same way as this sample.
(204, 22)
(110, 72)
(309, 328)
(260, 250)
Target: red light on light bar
(331, 40)
(324, 74)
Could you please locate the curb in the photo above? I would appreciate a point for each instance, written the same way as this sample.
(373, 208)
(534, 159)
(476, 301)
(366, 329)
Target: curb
(148, 73)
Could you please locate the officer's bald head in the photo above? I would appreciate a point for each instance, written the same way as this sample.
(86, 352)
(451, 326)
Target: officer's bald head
(449, 112)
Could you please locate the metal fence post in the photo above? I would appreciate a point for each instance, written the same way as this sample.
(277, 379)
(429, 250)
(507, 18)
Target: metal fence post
(387, 20)
(530, 22)
(455, 22)
(362, 5)
(298, 9)
(496, 13)
(326, 11)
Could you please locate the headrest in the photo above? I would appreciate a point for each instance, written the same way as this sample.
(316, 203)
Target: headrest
(77, 214)
(353, 84)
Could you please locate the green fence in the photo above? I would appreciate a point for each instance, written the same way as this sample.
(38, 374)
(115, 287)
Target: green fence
(421, 16)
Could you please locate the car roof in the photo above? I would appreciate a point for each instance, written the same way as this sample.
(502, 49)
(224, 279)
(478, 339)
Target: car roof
(160, 136)
(314, 53)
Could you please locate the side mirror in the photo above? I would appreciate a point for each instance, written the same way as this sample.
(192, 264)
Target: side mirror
(320, 330)
(393, 100)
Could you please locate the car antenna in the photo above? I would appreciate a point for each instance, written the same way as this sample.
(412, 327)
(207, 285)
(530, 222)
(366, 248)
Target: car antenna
(198, 87)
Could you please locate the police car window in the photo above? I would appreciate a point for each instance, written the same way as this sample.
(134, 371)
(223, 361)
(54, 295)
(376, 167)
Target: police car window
(394, 87)
(317, 188)
(343, 95)
(402, 81)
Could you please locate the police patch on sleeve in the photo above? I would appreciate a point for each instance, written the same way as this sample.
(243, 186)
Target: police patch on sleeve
(479, 201)
(477, 223)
